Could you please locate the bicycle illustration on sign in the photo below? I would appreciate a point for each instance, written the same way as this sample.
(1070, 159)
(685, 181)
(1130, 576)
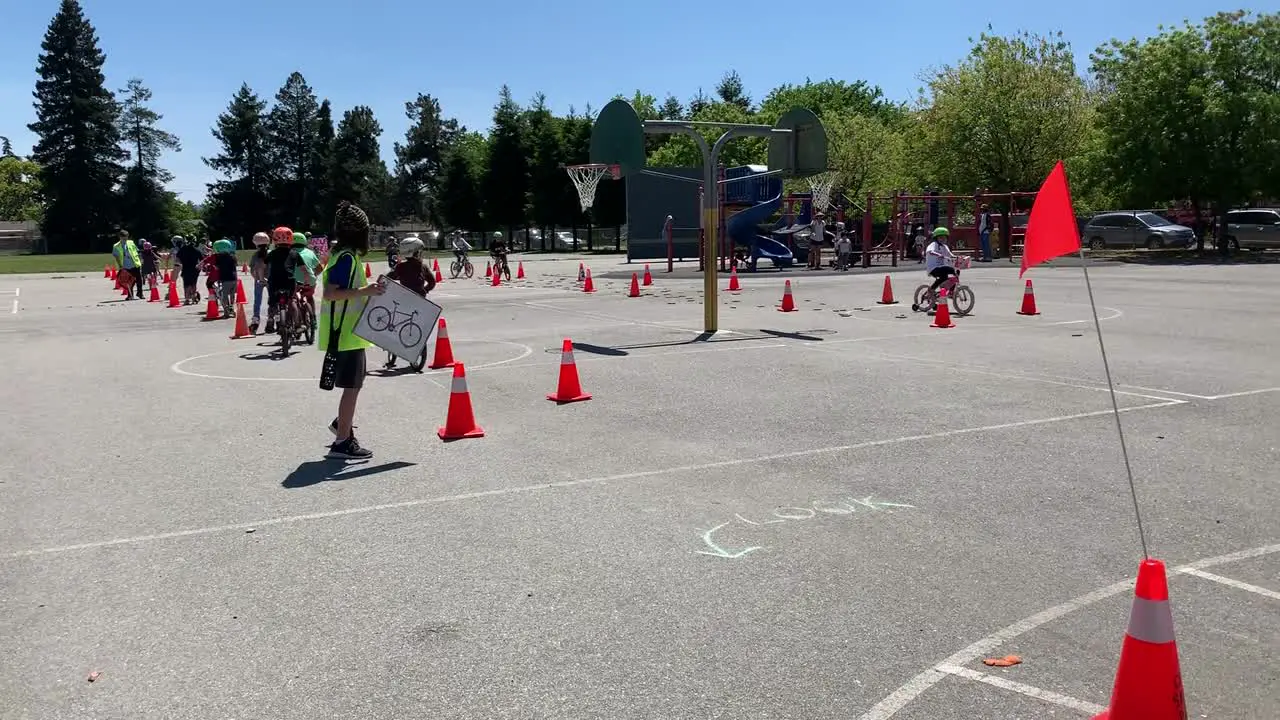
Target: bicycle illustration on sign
(399, 321)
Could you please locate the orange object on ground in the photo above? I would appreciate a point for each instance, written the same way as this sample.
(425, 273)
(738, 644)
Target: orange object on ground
(461, 421)
(435, 265)
(587, 285)
(1006, 661)
(168, 277)
(244, 268)
(581, 272)
(240, 296)
(439, 277)
(444, 350)
(520, 270)
(733, 280)
(1148, 680)
(368, 271)
(211, 311)
(242, 324)
(886, 295)
(942, 311)
(635, 286)
(155, 294)
(647, 279)
(788, 302)
(497, 278)
(106, 271)
(1028, 301)
(488, 269)
(569, 388)
(173, 295)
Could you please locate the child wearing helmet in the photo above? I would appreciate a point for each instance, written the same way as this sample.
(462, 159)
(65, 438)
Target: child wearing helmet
(939, 261)
(258, 270)
(303, 266)
(189, 258)
(280, 284)
(224, 261)
(412, 273)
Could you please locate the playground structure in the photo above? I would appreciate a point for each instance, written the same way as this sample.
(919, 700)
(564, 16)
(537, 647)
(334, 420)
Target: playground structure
(797, 148)
(957, 213)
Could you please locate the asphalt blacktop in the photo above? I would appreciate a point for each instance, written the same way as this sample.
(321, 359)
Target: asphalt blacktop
(834, 513)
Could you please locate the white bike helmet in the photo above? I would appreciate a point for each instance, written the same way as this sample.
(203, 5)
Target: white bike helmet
(261, 238)
(411, 245)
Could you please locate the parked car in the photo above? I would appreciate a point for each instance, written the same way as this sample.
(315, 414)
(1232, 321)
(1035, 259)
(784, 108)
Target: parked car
(1135, 229)
(1254, 229)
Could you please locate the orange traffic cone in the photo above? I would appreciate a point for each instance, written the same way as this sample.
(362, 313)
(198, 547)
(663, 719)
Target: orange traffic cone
(173, 295)
(460, 422)
(886, 295)
(244, 268)
(581, 271)
(240, 297)
(635, 286)
(1148, 680)
(126, 285)
(444, 351)
(497, 278)
(435, 265)
(1028, 301)
(368, 271)
(242, 324)
(155, 294)
(733, 280)
(569, 388)
(788, 302)
(647, 280)
(168, 277)
(587, 285)
(488, 269)
(106, 271)
(520, 270)
(111, 275)
(439, 277)
(942, 311)
(211, 311)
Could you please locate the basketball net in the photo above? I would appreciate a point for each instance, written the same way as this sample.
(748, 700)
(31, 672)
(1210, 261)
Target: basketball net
(820, 185)
(586, 178)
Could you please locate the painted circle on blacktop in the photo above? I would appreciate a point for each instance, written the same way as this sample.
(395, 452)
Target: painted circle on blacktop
(263, 353)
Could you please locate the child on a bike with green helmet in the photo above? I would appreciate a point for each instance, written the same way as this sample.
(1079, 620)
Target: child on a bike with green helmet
(304, 265)
(939, 261)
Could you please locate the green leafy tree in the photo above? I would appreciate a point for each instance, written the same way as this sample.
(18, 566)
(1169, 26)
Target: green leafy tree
(420, 160)
(19, 190)
(828, 99)
(1004, 115)
(78, 146)
(144, 201)
(548, 179)
(698, 103)
(460, 206)
(291, 135)
(240, 204)
(359, 175)
(866, 152)
(323, 204)
(680, 151)
(575, 136)
(506, 180)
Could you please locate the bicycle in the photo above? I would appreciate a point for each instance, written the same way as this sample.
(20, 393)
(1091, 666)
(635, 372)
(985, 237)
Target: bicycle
(961, 296)
(500, 265)
(461, 265)
(288, 318)
(407, 330)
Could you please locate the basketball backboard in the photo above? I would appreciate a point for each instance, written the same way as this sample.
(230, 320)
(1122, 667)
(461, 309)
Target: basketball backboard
(803, 151)
(617, 137)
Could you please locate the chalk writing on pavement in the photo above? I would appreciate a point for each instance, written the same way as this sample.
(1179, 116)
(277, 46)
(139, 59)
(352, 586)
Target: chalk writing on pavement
(756, 523)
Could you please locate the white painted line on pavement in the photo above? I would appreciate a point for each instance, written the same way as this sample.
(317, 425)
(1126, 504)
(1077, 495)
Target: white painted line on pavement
(16, 292)
(1237, 584)
(640, 474)
(1028, 690)
(1224, 396)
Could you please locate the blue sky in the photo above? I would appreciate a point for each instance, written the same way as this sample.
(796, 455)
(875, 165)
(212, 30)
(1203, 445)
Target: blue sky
(381, 53)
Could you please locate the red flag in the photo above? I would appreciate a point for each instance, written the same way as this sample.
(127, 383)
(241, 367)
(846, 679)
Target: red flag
(1051, 229)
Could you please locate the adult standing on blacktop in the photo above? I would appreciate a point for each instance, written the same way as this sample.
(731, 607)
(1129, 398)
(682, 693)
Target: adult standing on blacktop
(125, 253)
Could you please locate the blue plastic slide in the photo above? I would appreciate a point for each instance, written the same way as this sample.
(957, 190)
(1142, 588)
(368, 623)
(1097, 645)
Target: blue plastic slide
(743, 229)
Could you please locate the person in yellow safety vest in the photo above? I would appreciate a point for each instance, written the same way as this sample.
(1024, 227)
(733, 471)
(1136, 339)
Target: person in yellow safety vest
(345, 295)
(125, 253)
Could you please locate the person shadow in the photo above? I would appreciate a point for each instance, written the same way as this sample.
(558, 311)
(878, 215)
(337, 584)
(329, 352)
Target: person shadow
(314, 472)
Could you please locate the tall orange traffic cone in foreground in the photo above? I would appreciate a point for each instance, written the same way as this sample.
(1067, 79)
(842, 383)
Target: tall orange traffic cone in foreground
(1148, 680)
(240, 296)
(242, 324)
(635, 286)
(444, 350)
(460, 422)
(520, 270)
(733, 280)
(788, 302)
(942, 311)
(155, 294)
(886, 295)
(569, 388)
(173, 295)
(647, 280)
(211, 311)
(587, 285)
(1028, 301)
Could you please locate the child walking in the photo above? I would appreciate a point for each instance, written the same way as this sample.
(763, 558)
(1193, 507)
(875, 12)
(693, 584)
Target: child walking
(224, 261)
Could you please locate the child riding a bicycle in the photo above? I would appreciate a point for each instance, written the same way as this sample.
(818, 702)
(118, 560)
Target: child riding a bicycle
(414, 274)
(939, 261)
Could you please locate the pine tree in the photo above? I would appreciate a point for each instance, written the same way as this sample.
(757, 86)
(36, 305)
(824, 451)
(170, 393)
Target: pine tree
(506, 180)
(144, 201)
(459, 201)
(358, 174)
(291, 126)
(78, 149)
(323, 204)
(240, 203)
(671, 109)
(547, 177)
(420, 160)
(6, 147)
(731, 91)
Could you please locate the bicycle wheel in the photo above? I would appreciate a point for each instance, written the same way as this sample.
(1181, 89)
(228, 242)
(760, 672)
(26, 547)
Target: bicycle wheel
(469, 270)
(410, 334)
(455, 269)
(923, 299)
(379, 318)
(286, 330)
(420, 363)
(962, 300)
(506, 271)
(308, 326)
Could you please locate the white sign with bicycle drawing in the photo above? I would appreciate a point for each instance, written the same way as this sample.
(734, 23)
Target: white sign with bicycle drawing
(399, 321)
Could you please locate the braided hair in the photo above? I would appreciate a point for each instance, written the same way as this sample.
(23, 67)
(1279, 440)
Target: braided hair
(351, 226)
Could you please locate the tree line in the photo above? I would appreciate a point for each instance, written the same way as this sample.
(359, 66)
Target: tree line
(1189, 116)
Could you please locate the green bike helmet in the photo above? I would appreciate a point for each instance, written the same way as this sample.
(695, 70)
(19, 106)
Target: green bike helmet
(224, 246)
(299, 239)
(939, 232)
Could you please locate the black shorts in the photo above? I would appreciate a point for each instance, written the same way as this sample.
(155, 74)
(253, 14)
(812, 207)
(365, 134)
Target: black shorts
(189, 278)
(350, 369)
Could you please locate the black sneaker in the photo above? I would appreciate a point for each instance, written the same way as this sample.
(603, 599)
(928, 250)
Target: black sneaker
(349, 449)
(333, 427)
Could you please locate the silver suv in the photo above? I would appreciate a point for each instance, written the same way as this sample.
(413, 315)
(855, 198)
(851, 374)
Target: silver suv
(1254, 229)
(1135, 229)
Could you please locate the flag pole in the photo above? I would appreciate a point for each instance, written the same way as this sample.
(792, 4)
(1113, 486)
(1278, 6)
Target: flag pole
(1115, 405)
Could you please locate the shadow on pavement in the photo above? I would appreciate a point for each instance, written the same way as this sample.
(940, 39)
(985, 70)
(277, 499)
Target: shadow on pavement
(314, 472)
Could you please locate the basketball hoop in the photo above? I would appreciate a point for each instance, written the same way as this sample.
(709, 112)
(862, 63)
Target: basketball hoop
(587, 177)
(821, 185)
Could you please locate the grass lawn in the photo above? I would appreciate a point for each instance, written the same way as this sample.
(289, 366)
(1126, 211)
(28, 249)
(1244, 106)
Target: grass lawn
(14, 263)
